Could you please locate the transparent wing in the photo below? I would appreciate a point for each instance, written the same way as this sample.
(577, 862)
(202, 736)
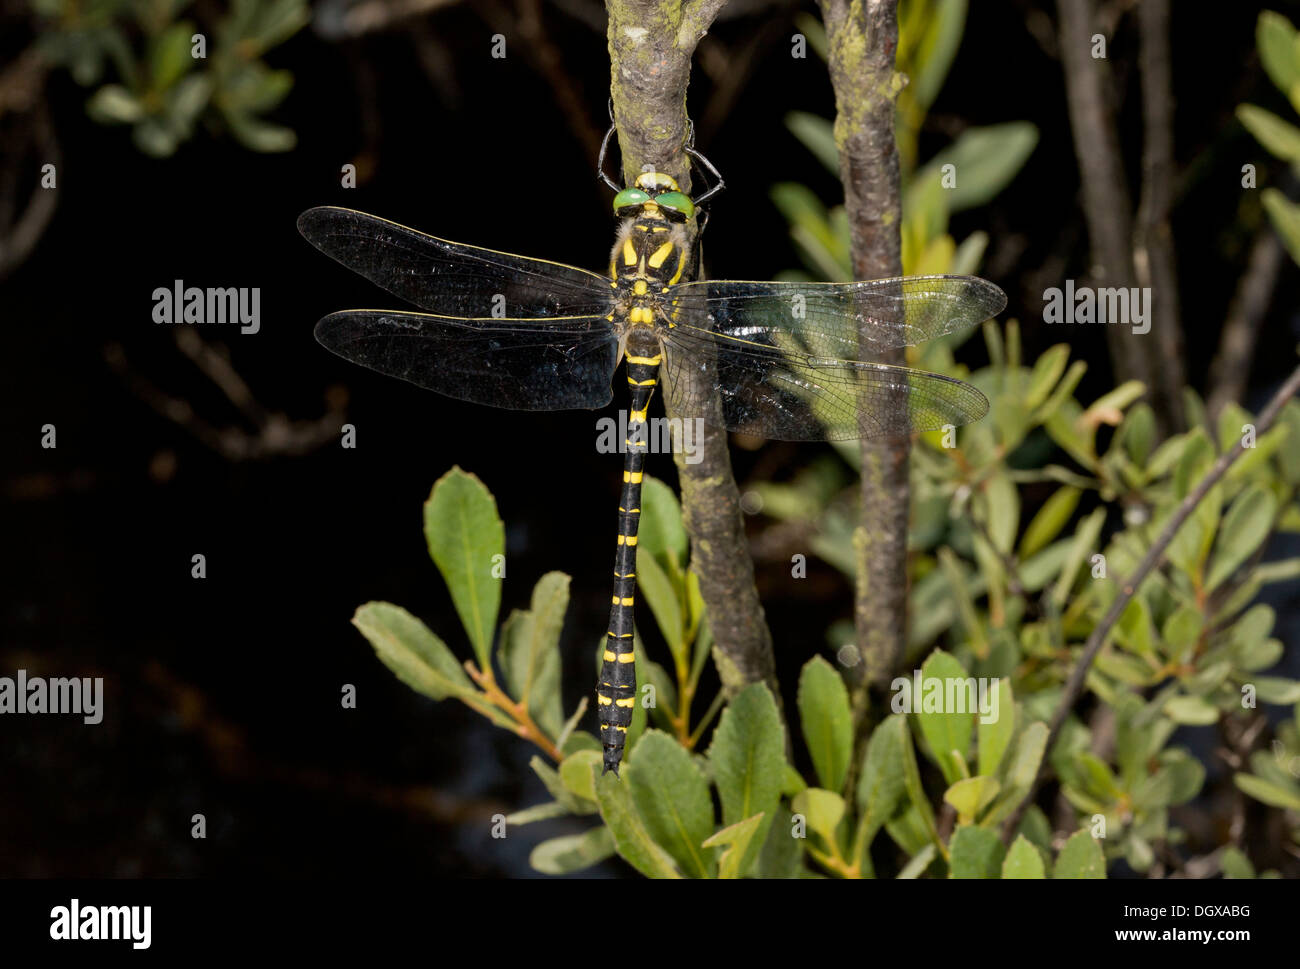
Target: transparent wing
(449, 278)
(842, 320)
(786, 395)
(518, 364)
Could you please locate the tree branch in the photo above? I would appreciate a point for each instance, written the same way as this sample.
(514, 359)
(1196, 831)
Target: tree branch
(651, 46)
(863, 41)
(1153, 558)
(1153, 247)
(1231, 364)
(1106, 205)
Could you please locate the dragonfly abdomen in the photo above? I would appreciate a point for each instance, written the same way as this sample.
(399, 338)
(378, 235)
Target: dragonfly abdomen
(616, 689)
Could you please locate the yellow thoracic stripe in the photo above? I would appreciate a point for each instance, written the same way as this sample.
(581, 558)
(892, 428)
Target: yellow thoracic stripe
(658, 257)
(629, 253)
(654, 361)
(639, 287)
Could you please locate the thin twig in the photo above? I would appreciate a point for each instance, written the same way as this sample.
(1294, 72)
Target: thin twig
(1231, 365)
(1153, 247)
(1154, 556)
(1106, 205)
(862, 38)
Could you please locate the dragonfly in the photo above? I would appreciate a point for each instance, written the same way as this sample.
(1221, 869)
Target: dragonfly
(779, 360)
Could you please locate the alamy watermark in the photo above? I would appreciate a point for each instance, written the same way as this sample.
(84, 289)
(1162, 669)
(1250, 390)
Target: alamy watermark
(82, 695)
(658, 435)
(949, 694)
(214, 306)
(99, 923)
(1083, 304)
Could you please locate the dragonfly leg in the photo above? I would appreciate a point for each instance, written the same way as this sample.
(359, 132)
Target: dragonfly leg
(604, 148)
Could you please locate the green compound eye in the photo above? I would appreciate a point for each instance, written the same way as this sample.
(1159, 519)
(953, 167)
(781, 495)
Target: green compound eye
(678, 202)
(629, 197)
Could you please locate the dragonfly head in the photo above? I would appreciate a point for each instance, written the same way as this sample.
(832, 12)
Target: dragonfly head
(654, 194)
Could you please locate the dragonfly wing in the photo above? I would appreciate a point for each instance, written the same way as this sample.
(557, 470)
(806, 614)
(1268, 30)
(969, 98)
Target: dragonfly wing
(449, 278)
(843, 320)
(538, 365)
(788, 396)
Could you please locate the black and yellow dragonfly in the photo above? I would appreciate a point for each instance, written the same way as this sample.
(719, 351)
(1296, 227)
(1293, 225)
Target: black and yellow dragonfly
(780, 360)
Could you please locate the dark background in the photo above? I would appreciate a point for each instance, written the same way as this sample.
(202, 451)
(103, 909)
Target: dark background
(222, 695)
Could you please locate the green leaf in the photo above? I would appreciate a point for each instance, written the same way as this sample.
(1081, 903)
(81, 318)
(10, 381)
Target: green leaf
(882, 783)
(1050, 519)
(631, 838)
(672, 796)
(975, 853)
(661, 531)
(986, 160)
(995, 736)
(737, 838)
(411, 650)
(539, 812)
(578, 773)
(1003, 510)
(1245, 526)
(782, 853)
(1276, 689)
(276, 21)
(1134, 631)
(155, 137)
(1234, 863)
(1023, 860)
(1191, 710)
(662, 597)
(114, 104)
(557, 788)
(169, 55)
(465, 536)
(824, 810)
(748, 760)
(1082, 547)
(1279, 138)
(1081, 857)
(1029, 755)
(818, 136)
(827, 721)
(258, 135)
(1047, 371)
(530, 651)
(915, 790)
(922, 860)
(946, 733)
(1275, 39)
(562, 856)
(1273, 795)
(971, 796)
(1285, 216)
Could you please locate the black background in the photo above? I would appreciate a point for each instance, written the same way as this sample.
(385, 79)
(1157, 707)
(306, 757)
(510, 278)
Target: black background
(222, 695)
